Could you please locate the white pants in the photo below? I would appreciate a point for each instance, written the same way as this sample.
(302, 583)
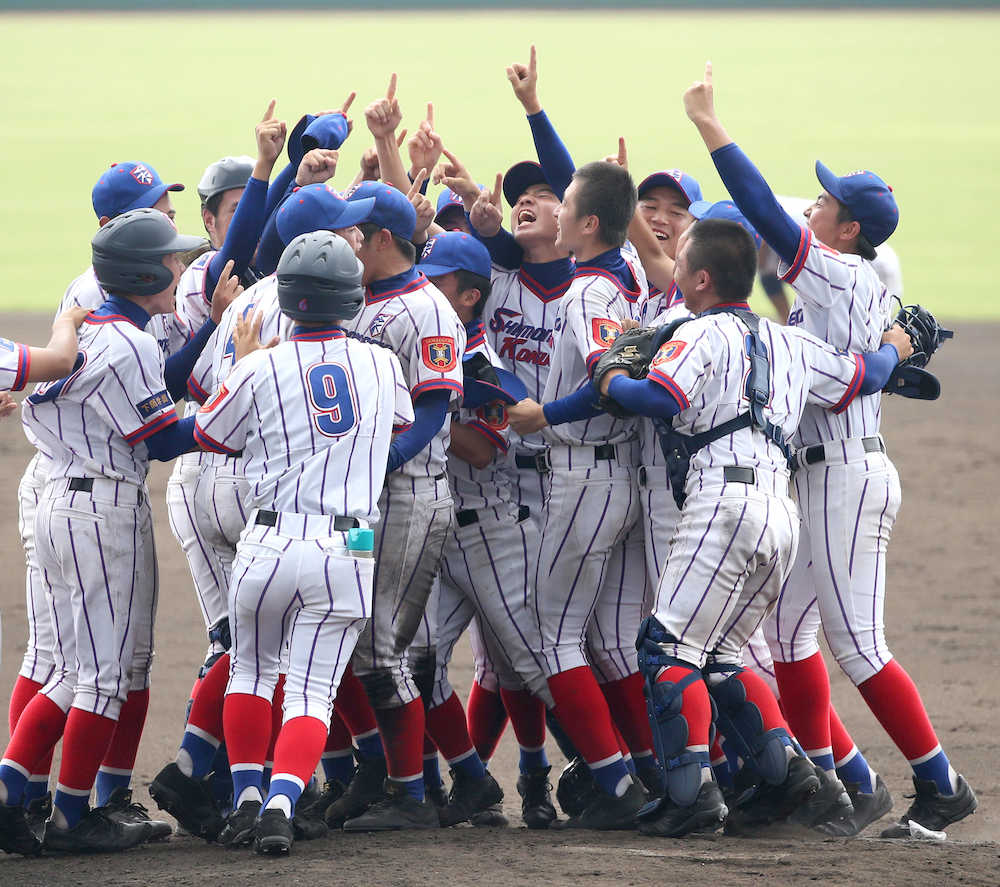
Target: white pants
(38, 662)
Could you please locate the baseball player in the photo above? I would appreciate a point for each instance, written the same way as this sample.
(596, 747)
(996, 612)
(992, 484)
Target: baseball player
(847, 487)
(322, 399)
(99, 427)
(734, 387)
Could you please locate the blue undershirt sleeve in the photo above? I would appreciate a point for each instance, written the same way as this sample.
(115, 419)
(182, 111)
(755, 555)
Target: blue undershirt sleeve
(178, 366)
(278, 189)
(552, 153)
(170, 442)
(429, 414)
(502, 247)
(878, 367)
(644, 397)
(242, 236)
(575, 407)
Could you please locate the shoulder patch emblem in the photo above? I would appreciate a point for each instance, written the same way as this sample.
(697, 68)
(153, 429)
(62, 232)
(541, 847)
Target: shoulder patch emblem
(669, 351)
(605, 330)
(494, 415)
(152, 405)
(438, 353)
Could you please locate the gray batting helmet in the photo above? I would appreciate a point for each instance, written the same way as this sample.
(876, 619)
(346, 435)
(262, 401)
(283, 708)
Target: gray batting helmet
(229, 172)
(128, 252)
(319, 278)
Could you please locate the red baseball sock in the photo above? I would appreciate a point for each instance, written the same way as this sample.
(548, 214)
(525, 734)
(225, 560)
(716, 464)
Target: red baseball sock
(277, 714)
(124, 745)
(583, 714)
(759, 693)
(805, 700)
(840, 739)
(206, 711)
(247, 720)
(628, 710)
(696, 705)
(895, 701)
(85, 743)
(339, 737)
(527, 717)
(39, 728)
(21, 694)
(353, 706)
(487, 719)
(402, 731)
(716, 755)
(298, 749)
(447, 727)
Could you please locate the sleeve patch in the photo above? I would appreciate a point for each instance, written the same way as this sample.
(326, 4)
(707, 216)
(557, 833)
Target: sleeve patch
(494, 415)
(669, 351)
(211, 404)
(6, 345)
(439, 353)
(152, 405)
(605, 331)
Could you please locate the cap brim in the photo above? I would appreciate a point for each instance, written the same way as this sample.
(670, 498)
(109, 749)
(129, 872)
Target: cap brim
(430, 270)
(355, 212)
(829, 180)
(520, 177)
(699, 208)
(661, 180)
(182, 243)
(149, 198)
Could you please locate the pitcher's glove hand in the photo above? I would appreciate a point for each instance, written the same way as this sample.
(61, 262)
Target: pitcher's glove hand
(910, 379)
(632, 351)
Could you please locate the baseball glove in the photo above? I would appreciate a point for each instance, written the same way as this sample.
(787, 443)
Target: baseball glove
(632, 351)
(910, 379)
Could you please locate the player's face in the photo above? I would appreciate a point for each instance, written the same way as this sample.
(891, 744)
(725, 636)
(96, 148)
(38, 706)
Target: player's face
(453, 219)
(163, 301)
(823, 218)
(570, 228)
(352, 235)
(686, 280)
(217, 225)
(666, 212)
(534, 215)
(165, 206)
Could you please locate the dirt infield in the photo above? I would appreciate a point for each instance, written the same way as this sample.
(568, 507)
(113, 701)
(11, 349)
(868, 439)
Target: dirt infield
(943, 619)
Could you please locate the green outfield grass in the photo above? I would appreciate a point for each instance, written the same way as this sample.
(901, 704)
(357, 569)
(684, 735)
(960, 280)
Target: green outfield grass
(913, 96)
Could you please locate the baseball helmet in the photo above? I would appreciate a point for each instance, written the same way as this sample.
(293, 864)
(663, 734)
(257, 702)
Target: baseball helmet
(229, 172)
(128, 252)
(319, 278)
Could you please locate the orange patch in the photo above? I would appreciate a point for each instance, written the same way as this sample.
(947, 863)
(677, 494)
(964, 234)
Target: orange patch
(439, 353)
(605, 331)
(669, 351)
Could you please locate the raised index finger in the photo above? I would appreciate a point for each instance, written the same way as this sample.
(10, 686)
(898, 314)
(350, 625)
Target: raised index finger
(347, 103)
(269, 113)
(495, 196)
(533, 60)
(430, 114)
(708, 73)
(390, 93)
(417, 184)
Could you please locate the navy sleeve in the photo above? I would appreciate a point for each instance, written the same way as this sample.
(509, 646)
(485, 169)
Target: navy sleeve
(429, 414)
(502, 247)
(170, 442)
(271, 245)
(552, 153)
(643, 397)
(575, 407)
(242, 236)
(755, 199)
(878, 367)
(178, 366)
(279, 188)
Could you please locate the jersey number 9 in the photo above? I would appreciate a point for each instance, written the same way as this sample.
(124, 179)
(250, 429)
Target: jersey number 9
(333, 399)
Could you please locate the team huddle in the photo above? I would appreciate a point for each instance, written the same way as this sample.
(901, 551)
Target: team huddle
(402, 420)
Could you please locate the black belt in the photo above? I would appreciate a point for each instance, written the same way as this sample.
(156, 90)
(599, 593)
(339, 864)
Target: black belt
(81, 484)
(731, 474)
(468, 516)
(815, 454)
(524, 461)
(540, 461)
(341, 524)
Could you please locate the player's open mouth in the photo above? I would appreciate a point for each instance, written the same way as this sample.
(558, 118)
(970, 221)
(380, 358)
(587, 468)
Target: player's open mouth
(661, 235)
(525, 216)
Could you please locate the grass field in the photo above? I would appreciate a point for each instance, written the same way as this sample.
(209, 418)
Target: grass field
(911, 95)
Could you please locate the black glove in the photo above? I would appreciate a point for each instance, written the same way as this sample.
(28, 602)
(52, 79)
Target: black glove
(926, 334)
(632, 351)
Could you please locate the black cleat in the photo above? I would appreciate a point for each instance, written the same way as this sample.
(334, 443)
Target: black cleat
(576, 788)
(436, 795)
(315, 808)
(123, 809)
(274, 834)
(16, 833)
(867, 809)
(535, 790)
(189, 801)
(933, 810)
(668, 820)
(491, 817)
(240, 825)
(605, 813)
(37, 812)
(96, 832)
(830, 803)
(398, 810)
(766, 803)
(469, 796)
(364, 790)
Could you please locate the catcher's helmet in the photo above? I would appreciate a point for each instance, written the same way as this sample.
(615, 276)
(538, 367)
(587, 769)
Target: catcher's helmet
(229, 172)
(128, 252)
(319, 278)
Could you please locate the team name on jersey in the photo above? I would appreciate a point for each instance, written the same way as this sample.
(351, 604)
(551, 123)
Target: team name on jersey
(517, 336)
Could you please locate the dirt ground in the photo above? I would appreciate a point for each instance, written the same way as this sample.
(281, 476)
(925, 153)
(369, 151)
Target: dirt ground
(943, 620)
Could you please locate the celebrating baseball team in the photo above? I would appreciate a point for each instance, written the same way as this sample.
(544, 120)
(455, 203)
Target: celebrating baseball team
(401, 420)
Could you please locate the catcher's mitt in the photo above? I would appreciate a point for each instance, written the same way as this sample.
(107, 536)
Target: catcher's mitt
(910, 379)
(632, 351)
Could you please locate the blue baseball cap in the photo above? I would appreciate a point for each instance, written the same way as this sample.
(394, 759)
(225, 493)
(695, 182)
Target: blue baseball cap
(125, 186)
(520, 177)
(724, 209)
(319, 208)
(869, 200)
(672, 178)
(316, 131)
(453, 251)
(391, 210)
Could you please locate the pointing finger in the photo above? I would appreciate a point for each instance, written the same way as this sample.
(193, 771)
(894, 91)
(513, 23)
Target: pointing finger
(417, 184)
(430, 114)
(497, 188)
(347, 103)
(269, 113)
(708, 73)
(391, 91)
(622, 153)
(400, 138)
(533, 62)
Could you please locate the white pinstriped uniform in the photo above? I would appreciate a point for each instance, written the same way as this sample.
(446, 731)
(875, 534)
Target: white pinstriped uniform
(95, 548)
(314, 418)
(850, 498)
(734, 543)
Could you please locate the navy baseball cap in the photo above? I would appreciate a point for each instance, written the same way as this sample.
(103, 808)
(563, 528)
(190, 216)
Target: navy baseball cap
(724, 209)
(869, 200)
(454, 251)
(319, 208)
(672, 178)
(520, 177)
(391, 210)
(316, 131)
(125, 186)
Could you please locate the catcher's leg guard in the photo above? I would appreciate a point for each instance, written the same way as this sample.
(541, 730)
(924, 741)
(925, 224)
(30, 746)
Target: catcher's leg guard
(740, 721)
(423, 663)
(664, 703)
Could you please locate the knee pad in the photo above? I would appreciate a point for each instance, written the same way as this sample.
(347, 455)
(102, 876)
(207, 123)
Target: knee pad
(741, 723)
(423, 662)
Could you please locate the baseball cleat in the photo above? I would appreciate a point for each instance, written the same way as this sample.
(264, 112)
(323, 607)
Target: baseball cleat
(668, 820)
(399, 810)
(436, 795)
(96, 832)
(16, 833)
(468, 797)
(240, 825)
(765, 803)
(576, 787)
(933, 810)
(274, 834)
(37, 812)
(491, 817)
(188, 800)
(123, 809)
(365, 789)
(867, 809)
(535, 790)
(605, 813)
(315, 808)
(830, 803)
